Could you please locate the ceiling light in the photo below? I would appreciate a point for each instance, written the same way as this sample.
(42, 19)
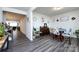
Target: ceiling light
(57, 8)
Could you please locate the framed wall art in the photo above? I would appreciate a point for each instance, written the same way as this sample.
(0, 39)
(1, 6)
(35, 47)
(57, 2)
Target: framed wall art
(64, 18)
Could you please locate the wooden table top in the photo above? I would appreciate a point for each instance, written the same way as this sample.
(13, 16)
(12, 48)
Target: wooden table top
(2, 40)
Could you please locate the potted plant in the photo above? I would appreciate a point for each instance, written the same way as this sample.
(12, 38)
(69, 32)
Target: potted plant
(77, 33)
(1, 31)
(34, 30)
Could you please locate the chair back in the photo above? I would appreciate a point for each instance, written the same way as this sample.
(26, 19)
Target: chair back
(70, 30)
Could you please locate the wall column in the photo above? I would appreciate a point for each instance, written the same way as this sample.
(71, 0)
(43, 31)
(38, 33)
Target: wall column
(1, 15)
(29, 25)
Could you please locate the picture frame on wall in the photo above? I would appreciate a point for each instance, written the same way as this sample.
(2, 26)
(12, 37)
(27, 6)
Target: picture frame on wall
(56, 19)
(64, 18)
(43, 19)
(73, 18)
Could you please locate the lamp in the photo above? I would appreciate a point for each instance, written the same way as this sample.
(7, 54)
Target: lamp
(57, 8)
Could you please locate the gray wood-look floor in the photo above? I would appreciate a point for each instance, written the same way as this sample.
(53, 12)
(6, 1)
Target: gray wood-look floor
(42, 44)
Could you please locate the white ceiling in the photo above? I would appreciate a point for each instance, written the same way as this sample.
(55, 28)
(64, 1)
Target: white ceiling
(22, 8)
(50, 12)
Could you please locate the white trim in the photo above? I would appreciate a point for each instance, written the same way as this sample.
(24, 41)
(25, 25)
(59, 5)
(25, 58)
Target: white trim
(14, 10)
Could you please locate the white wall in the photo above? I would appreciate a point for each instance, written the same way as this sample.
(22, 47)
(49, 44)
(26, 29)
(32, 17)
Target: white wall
(37, 20)
(29, 25)
(22, 23)
(1, 15)
(73, 24)
(14, 10)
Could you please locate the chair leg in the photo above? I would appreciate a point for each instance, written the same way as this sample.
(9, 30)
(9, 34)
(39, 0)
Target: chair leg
(69, 41)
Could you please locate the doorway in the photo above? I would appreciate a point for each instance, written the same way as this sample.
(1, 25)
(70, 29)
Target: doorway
(18, 24)
(17, 21)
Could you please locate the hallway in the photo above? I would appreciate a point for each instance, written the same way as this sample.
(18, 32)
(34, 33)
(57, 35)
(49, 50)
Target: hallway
(19, 39)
